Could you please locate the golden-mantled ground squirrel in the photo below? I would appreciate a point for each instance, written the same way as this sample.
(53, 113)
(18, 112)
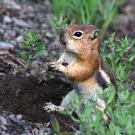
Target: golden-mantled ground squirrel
(81, 63)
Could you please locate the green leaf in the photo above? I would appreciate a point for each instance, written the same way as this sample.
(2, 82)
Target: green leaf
(132, 57)
(40, 54)
(86, 114)
(55, 125)
(40, 47)
(111, 95)
(31, 37)
(132, 109)
(24, 56)
(99, 117)
(25, 44)
(131, 97)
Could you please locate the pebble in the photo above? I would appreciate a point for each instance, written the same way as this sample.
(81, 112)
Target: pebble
(20, 23)
(44, 26)
(31, 15)
(7, 19)
(12, 124)
(19, 116)
(11, 116)
(19, 38)
(3, 120)
(2, 76)
(3, 127)
(11, 4)
(1, 31)
(6, 46)
(48, 35)
(3, 26)
(12, 33)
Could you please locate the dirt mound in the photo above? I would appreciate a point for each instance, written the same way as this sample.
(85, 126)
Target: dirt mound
(19, 94)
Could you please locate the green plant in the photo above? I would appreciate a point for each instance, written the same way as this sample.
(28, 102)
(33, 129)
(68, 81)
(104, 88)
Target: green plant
(55, 125)
(119, 55)
(59, 22)
(33, 48)
(99, 12)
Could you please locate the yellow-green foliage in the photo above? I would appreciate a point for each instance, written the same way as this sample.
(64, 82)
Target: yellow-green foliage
(33, 47)
(98, 12)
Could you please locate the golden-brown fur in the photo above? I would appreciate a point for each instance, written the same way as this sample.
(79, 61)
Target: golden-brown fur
(82, 57)
(87, 57)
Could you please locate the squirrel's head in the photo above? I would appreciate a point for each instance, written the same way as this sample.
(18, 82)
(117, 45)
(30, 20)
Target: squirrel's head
(80, 39)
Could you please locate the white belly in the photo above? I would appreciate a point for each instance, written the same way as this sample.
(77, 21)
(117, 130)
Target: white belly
(67, 58)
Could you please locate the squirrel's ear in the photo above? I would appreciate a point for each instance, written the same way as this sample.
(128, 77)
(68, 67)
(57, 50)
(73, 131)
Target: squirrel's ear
(95, 34)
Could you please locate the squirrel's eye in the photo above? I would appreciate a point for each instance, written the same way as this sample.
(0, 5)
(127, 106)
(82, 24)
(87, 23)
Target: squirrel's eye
(95, 34)
(77, 34)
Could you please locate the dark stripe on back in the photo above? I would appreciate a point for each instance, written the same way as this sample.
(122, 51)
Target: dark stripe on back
(101, 81)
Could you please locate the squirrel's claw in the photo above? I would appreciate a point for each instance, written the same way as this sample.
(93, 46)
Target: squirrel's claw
(56, 66)
(49, 107)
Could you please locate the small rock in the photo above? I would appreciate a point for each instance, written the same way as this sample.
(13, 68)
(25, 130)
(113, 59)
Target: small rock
(6, 46)
(21, 23)
(2, 76)
(30, 8)
(48, 35)
(11, 4)
(1, 31)
(11, 116)
(19, 38)
(12, 33)
(15, 120)
(3, 26)
(7, 19)
(7, 36)
(19, 116)
(44, 26)
(3, 52)
(3, 120)
(3, 127)
(7, 134)
(54, 53)
(13, 42)
(31, 15)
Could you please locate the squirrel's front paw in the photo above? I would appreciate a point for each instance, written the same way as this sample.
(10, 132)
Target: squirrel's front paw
(49, 107)
(56, 66)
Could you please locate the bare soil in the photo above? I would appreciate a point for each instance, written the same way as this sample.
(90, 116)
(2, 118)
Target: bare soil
(19, 94)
